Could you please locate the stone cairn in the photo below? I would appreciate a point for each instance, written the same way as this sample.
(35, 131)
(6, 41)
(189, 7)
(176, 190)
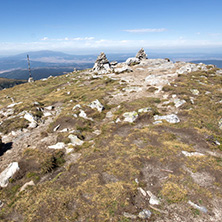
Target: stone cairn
(101, 64)
(141, 54)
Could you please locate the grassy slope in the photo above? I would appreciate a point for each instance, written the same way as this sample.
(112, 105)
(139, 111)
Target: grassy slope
(101, 185)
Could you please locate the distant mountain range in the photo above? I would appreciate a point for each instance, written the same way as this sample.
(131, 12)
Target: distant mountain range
(46, 63)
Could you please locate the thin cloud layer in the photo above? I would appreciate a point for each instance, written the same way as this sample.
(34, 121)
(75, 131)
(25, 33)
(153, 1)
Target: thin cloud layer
(145, 30)
(68, 39)
(93, 44)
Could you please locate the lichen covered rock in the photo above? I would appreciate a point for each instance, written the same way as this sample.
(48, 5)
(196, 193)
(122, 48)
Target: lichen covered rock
(130, 116)
(172, 118)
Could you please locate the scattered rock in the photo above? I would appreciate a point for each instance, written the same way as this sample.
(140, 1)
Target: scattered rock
(75, 140)
(145, 214)
(30, 117)
(153, 199)
(84, 116)
(130, 216)
(200, 208)
(153, 64)
(64, 130)
(130, 116)
(14, 104)
(96, 105)
(141, 54)
(102, 65)
(7, 112)
(179, 102)
(33, 125)
(114, 63)
(49, 108)
(59, 145)
(47, 114)
(123, 69)
(145, 110)
(56, 128)
(189, 154)
(192, 100)
(132, 61)
(154, 80)
(142, 191)
(172, 118)
(31, 183)
(118, 120)
(69, 150)
(97, 132)
(109, 115)
(217, 143)
(30, 79)
(8, 173)
(36, 103)
(76, 106)
(195, 92)
(133, 89)
(188, 68)
(157, 122)
(220, 123)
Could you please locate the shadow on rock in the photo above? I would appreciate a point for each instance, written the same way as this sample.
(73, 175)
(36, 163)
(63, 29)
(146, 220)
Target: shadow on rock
(5, 147)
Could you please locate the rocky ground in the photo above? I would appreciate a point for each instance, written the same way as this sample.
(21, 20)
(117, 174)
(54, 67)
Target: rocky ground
(135, 141)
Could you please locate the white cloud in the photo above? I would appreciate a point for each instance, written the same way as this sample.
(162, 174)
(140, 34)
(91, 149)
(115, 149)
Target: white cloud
(68, 39)
(145, 30)
(215, 34)
(45, 38)
(92, 44)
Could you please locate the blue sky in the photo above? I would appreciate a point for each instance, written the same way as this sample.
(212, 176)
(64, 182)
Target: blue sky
(113, 26)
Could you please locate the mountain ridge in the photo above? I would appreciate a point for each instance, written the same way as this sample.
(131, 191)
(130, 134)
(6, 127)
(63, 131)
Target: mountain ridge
(139, 140)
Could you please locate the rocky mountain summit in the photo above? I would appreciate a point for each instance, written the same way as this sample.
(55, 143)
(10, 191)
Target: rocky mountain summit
(132, 141)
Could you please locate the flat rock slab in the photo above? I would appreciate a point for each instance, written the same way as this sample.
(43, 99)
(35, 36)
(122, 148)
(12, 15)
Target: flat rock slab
(8, 173)
(189, 154)
(59, 145)
(29, 117)
(172, 118)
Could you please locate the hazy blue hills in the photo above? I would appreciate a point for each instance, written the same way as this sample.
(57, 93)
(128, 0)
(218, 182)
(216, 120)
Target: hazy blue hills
(44, 59)
(217, 63)
(37, 73)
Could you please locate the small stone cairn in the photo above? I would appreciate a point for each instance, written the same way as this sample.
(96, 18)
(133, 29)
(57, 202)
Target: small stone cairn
(102, 64)
(141, 54)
